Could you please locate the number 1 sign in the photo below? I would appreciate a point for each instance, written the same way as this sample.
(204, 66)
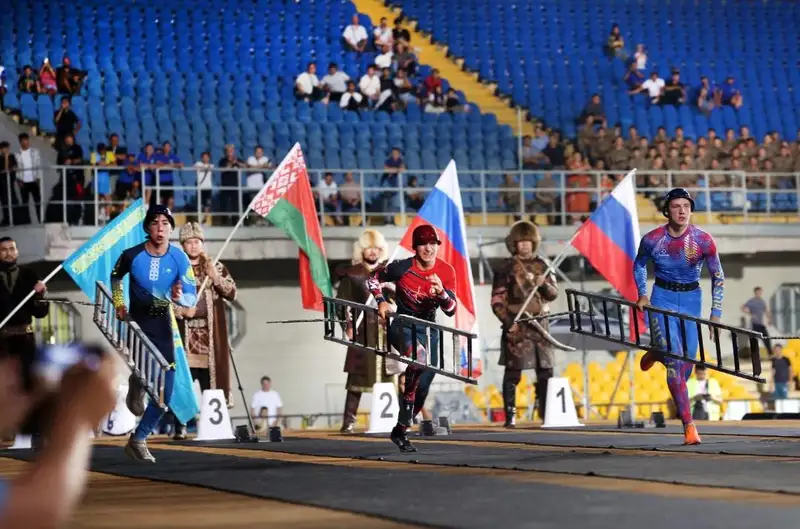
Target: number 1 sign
(560, 409)
(385, 408)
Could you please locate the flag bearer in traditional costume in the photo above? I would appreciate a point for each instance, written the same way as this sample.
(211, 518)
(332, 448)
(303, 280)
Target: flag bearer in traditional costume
(160, 273)
(423, 284)
(204, 328)
(363, 368)
(678, 250)
(523, 344)
(17, 338)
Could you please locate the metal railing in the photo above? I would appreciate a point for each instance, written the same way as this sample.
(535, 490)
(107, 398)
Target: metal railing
(142, 357)
(561, 197)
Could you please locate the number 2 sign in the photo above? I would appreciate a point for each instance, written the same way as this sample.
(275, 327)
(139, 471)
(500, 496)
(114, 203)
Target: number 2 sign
(385, 408)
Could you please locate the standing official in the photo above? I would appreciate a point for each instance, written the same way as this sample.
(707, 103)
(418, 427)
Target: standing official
(523, 346)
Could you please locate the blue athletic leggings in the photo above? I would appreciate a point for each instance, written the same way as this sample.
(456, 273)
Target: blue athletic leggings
(678, 371)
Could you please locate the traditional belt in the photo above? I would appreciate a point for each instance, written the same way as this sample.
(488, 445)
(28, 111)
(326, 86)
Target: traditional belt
(197, 322)
(16, 330)
(677, 287)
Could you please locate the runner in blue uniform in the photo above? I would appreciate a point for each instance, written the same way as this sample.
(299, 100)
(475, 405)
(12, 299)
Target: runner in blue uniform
(159, 273)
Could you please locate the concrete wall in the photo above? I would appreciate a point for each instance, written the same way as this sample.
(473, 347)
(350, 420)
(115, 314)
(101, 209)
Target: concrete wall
(307, 370)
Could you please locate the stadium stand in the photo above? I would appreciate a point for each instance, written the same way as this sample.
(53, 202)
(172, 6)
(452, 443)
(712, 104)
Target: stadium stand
(176, 71)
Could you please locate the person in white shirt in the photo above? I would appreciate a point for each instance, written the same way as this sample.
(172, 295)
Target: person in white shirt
(351, 100)
(335, 83)
(29, 174)
(383, 35)
(205, 180)
(654, 87)
(306, 87)
(355, 35)
(255, 180)
(370, 86)
(266, 404)
(384, 60)
(327, 192)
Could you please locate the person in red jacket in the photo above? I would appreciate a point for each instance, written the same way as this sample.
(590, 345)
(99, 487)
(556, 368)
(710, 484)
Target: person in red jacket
(423, 284)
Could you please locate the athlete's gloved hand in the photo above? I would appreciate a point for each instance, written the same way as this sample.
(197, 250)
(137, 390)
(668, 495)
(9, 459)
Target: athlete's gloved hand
(177, 291)
(715, 319)
(436, 285)
(122, 312)
(383, 310)
(643, 302)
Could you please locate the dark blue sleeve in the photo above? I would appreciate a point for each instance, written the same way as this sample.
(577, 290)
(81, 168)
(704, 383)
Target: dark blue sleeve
(120, 270)
(391, 273)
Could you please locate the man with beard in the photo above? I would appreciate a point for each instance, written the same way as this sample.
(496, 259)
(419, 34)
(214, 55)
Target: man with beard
(204, 328)
(160, 273)
(523, 346)
(423, 283)
(363, 369)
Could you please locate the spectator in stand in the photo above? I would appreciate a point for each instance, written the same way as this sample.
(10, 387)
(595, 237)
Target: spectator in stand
(231, 183)
(387, 101)
(355, 35)
(654, 87)
(452, 103)
(266, 405)
(532, 157)
(306, 87)
(29, 176)
(128, 182)
(594, 108)
(633, 79)
(28, 82)
(385, 59)
(403, 87)
(327, 193)
(709, 96)
(618, 158)
(351, 99)
(335, 83)
(393, 167)
(706, 395)
(70, 184)
(350, 196)
(434, 101)
(414, 196)
(69, 80)
(100, 184)
(255, 180)
(384, 36)
(547, 199)
(781, 373)
(370, 86)
(167, 160)
(731, 95)
(205, 182)
(119, 153)
(674, 91)
(8, 195)
(147, 161)
(433, 81)
(509, 199)
(640, 57)
(47, 78)
(67, 123)
(615, 44)
(405, 59)
(399, 33)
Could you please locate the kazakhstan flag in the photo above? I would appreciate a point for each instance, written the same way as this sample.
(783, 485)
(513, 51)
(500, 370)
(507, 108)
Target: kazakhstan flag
(94, 262)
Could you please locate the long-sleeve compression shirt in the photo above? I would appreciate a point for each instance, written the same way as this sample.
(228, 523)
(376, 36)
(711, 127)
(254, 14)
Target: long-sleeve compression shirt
(680, 260)
(413, 288)
(151, 280)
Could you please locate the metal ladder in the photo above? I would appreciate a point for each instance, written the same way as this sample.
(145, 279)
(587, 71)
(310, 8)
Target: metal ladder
(141, 356)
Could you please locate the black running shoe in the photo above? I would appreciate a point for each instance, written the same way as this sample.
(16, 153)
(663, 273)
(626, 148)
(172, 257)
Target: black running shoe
(401, 440)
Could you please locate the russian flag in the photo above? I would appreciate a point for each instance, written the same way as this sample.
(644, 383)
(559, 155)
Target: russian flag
(610, 238)
(444, 210)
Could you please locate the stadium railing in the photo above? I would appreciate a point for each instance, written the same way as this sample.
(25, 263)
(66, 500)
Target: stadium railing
(722, 196)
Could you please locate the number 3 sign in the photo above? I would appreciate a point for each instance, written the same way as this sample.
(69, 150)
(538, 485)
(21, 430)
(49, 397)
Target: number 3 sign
(215, 422)
(385, 408)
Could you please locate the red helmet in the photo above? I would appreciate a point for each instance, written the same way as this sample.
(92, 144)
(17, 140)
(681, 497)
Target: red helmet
(424, 234)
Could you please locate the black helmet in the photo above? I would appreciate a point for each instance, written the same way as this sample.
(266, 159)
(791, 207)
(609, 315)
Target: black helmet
(154, 212)
(676, 193)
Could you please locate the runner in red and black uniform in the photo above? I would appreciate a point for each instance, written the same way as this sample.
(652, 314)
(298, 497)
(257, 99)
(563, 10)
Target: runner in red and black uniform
(423, 284)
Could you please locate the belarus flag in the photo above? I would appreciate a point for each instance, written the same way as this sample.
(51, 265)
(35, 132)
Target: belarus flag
(610, 240)
(444, 210)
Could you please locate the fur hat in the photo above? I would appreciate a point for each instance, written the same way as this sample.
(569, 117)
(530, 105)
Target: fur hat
(370, 239)
(191, 230)
(523, 230)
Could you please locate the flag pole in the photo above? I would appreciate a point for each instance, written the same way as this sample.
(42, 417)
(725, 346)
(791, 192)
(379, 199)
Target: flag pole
(30, 295)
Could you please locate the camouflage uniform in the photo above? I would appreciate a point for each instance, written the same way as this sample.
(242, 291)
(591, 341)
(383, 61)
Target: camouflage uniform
(363, 369)
(525, 348)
